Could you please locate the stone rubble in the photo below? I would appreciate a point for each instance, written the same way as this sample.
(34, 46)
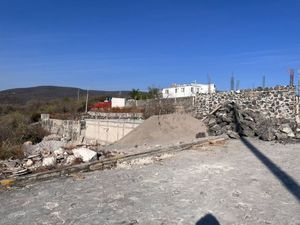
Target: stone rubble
(49, 154)
(234, 121)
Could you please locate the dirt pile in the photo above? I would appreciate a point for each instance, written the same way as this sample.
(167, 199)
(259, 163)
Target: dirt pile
(234, 121)
(163, 130)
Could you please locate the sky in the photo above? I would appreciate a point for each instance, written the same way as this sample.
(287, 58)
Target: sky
(125, 44)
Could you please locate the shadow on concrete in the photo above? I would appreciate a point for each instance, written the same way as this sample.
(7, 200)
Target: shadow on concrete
(286, 180)
(208, 219)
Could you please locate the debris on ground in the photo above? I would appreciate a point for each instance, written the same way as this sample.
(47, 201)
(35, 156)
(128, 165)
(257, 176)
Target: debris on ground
(50, 153)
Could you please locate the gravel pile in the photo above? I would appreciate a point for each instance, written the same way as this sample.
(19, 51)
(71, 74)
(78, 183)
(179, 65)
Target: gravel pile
(163, 130)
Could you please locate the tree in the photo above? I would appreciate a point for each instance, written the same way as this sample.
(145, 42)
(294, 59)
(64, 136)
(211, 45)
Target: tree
(153, 92)
(135, 94)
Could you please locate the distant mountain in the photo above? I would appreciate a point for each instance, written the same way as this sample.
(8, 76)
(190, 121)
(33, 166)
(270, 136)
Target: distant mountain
(44, 93)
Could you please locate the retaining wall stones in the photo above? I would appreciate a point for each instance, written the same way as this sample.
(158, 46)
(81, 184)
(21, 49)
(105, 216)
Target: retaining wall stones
(278, 102)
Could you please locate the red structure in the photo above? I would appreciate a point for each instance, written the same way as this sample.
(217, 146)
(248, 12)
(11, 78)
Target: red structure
(101, 105)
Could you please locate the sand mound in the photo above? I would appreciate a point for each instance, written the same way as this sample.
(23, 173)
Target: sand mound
(162, 130)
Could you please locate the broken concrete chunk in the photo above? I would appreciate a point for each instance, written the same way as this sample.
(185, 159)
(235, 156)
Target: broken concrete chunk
(29, 163)
(85, 154)
(70, 160)
(59, 152)
(49, 161)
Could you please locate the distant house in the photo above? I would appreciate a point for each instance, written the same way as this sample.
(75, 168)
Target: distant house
(187, 90)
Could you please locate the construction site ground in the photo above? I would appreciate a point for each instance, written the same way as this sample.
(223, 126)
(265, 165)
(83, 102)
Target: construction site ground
(242, 182)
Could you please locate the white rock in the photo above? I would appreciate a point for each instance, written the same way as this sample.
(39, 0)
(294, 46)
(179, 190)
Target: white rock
(85, 154)
(49, 161)
(70, 159)
(59, 152)
(287, 129)
(29, 163)
(27, 143)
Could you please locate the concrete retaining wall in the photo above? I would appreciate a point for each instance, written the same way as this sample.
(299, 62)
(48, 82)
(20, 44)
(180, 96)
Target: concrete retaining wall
(109, 131)
(69, 129)
(102, 131)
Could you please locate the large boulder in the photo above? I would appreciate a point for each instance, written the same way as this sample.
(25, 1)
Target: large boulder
(85, 154)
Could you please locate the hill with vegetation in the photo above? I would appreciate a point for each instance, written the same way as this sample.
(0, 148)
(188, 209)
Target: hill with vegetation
(47, 93)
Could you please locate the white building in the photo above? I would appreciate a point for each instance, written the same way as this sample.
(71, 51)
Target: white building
(187, 90)
(118, 102)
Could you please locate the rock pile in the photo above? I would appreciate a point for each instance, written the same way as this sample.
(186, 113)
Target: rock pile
(234, 121)
(49, 154)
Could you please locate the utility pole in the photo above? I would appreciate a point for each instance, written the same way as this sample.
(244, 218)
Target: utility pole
(237, 85)
(292, 74)
(78, 93)
(298, 82)
(87, 100)
(232, 83)
(209, 83)
(264, 81)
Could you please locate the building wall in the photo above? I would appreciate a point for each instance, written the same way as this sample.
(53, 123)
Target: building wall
(118, 102)
(187, 90)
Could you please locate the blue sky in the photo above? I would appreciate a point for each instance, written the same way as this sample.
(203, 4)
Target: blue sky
(124, 44)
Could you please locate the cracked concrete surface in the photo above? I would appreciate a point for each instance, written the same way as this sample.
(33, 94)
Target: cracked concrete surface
(228, 182)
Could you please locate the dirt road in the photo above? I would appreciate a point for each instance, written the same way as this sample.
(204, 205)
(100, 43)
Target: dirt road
(250, 182)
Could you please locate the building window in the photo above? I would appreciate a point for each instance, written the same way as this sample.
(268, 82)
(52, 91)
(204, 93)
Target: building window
(167, 91)
(182, 89)
(197, 90)
(175, 90)
(192, 89)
